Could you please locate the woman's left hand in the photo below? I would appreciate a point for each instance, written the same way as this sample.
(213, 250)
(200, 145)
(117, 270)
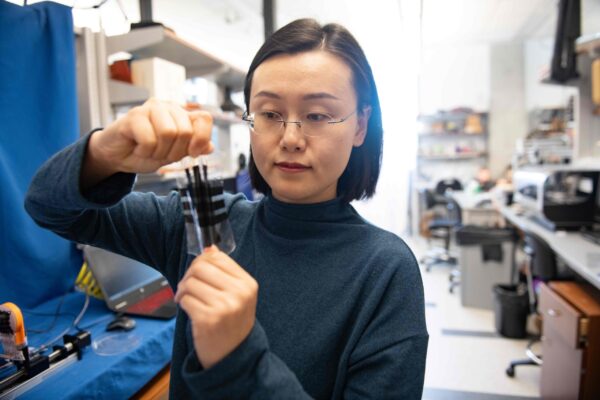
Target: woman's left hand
(219, 297)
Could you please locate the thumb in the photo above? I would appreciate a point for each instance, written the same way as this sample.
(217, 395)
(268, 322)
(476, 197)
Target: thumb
(199, 149)
(202, 123)
(211, 249)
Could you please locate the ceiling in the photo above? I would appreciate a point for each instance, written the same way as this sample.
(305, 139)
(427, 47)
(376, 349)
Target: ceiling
(444, 21)
(486, 21)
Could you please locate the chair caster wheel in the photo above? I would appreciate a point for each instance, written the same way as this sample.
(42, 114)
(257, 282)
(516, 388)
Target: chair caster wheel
(451, 290)
(510, 371)
(427, 269)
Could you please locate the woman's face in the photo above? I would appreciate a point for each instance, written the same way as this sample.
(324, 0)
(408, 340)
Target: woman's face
(299, 168)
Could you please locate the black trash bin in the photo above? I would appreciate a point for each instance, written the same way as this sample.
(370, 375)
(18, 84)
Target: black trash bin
(511, 307)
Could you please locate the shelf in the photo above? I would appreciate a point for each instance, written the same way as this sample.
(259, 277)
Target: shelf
(449, 116)
(453, 157)
(156, 41)
(226, 119)
(453, 135)
(122, 93)
(588, 44)
(550, 81)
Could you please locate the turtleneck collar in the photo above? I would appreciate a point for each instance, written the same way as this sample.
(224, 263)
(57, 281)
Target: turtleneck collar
(296, 220)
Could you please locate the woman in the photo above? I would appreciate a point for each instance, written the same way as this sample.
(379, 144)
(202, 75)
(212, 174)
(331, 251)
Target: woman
(314, 302)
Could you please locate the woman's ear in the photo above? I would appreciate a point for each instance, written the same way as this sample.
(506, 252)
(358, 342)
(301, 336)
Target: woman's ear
(363, 124)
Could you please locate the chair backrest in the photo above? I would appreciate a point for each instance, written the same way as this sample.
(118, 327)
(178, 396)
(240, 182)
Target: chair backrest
(543, 258)
(427, 199)
(454, 211)
(445, 184)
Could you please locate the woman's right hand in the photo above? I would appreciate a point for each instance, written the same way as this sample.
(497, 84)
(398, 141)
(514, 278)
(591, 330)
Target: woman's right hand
(146, 138)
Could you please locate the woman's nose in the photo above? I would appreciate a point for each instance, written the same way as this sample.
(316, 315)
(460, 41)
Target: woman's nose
(292, 138)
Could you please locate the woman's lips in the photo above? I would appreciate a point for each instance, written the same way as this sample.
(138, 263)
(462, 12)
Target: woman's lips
(291, 167)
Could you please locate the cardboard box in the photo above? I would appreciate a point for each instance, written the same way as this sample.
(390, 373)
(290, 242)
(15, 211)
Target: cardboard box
(163, 79)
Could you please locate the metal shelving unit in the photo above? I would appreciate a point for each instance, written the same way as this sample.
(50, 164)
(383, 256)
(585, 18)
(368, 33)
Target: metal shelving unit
(586, 145)
(448, 145)
(157, 41)
(97, 93)
(123, 93)
(588, 44)
(453, 157)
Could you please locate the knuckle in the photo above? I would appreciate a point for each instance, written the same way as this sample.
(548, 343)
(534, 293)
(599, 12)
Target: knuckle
(206, 116)
(210, 321)
(186, 132)
(196, 265)
(253, 287)
(233, 304)
(168, 132)
(245, 296)
(125, 126)
(147, 141)
(137, 111)
(172, 157)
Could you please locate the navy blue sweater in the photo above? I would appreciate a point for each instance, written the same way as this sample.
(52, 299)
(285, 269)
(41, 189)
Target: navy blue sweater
(340, 307)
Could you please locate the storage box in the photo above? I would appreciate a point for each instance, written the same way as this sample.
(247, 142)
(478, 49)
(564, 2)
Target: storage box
(486, 258)
(163, 79)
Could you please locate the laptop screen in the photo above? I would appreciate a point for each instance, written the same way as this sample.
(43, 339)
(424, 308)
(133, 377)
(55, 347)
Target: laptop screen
(118, 275)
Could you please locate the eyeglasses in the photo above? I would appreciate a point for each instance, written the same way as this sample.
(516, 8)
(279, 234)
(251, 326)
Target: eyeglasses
(312, 124)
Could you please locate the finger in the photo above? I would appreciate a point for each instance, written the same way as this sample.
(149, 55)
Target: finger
(165, 129)
(226, 264)
(184, 133)
(212, 275)
(202, 126)
(193, 306)
(207, 149)
(142, 133)
(203, 268)
(200, 290)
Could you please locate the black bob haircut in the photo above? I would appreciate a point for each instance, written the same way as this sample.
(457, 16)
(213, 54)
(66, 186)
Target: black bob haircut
(359, 179)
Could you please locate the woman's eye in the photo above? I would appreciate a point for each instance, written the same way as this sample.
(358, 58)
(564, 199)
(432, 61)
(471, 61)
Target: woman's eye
(315, 117)
(271, 115)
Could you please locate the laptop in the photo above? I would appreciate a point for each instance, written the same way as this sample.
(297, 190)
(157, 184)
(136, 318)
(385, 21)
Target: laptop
(129, 286)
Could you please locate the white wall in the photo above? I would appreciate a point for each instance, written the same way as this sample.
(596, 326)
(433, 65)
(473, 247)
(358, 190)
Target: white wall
(538, 54)
(508, 117)
(590, 17)
(453, 76)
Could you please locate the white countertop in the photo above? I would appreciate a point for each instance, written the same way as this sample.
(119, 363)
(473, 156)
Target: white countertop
(581, 255)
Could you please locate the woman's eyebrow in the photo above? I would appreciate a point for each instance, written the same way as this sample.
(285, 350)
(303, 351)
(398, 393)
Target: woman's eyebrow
(269, 95)
(319, 95)
(309, 96)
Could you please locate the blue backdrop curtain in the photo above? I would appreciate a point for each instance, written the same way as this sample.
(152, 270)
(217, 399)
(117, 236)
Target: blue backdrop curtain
(38, 116)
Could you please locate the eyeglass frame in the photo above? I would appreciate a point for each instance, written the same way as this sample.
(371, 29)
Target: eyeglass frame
(249, 118)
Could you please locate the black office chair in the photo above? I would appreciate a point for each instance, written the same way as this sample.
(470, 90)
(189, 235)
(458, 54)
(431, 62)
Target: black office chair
(441, 228)
(543, 266)
(448, 184)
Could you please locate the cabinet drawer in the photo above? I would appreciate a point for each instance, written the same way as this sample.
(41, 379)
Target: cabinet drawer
(560, 315)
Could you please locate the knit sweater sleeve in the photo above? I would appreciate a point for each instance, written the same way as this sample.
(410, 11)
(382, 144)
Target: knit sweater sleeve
(388, 361)
(142, 226)
(251, 371)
